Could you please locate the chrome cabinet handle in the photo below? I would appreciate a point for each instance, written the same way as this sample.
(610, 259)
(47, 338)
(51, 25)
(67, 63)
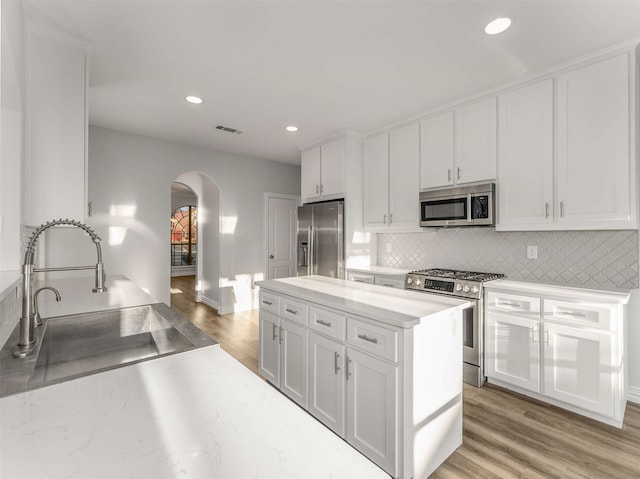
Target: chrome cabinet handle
(384, 219)
(458, 172)
(546, 210)
(321, 188)
(562, 209)
(275, 331)
(546, 337)
(335, 363)
(387, 284)
(268, 303)
(281, 335)
(510, 304)
(574, 314)
(390, 218)
(317, 189)
(531, 335)
(449, 174)
(348, 373)
(292, 311)
(367, 338)
(324, 323)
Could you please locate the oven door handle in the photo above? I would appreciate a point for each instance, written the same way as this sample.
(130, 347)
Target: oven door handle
(469, 208)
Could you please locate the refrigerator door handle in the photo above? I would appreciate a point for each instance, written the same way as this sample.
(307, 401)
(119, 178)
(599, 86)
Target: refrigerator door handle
(311, 253)
(303, 254)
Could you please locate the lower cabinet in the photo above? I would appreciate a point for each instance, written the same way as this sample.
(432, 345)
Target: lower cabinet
(562, 347)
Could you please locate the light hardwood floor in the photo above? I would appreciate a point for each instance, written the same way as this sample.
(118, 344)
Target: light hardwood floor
(506, 435)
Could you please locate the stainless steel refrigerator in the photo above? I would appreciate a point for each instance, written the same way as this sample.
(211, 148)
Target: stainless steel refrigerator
(321, 239)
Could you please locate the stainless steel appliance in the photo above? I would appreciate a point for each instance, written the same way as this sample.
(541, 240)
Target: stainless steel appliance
(321, 239)
(459, 206)
(462, 284)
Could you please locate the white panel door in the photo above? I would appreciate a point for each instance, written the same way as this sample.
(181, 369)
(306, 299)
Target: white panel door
(376, 181)
(436, 151)
(372, 405)
(525, 153)
(332, 168)
(310, 173)
(326, 382)
(281, 237)
(578, 367)
(404, 177)
(512, 350)
(593, 143)
(476, 141)
(269, 349)
(293, 361)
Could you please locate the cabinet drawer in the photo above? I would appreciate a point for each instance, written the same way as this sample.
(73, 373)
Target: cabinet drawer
(578, 314)
(513, 303)
(294, 310)
(389, 281)
(372, 338)
(361, 278)
(269, 302)
(330, 323)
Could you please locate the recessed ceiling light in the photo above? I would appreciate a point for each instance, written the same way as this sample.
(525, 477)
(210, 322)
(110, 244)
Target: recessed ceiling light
(196, 100)
(292, 128)
(498, 25)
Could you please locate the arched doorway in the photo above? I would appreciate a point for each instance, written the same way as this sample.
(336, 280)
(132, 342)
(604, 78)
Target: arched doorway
(207, 243)
(184, 230)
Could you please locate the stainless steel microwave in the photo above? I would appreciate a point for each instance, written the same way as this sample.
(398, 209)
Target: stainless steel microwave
(458, 206)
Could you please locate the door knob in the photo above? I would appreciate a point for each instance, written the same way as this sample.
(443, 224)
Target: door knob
(271, 256)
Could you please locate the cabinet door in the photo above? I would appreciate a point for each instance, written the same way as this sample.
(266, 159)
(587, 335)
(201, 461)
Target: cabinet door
(513, 350)
(326, 382)
(436, 151)
(269, 354)
(404, 179)
(579, 367)
(525, 146)
(594, 172)
(310, 171)
(476, 142)
(376, 181)
(372, 424)
(332, 168)
(293, 361)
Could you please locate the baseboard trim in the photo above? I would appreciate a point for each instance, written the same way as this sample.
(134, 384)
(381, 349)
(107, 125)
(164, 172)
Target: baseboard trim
(633, 394)
(210, 302)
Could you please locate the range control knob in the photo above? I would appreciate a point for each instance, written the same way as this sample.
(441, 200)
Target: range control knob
(466, 288)
(418, 282)
(458, 287)
(409, 280)
(474, 289)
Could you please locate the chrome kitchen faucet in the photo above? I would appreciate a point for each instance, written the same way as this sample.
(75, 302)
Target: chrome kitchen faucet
(27, 343)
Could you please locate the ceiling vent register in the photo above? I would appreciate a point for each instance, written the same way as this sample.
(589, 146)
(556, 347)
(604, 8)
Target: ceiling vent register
(228, 129)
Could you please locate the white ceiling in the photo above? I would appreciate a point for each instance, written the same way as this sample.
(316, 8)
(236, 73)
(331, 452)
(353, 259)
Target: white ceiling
(324, 66)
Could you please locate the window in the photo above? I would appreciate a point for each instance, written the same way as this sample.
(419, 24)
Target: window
(184, 235)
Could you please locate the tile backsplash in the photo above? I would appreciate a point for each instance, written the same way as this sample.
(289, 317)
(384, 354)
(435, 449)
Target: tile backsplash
(591, 259)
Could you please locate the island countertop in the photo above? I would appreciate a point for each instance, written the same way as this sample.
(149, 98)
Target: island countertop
(196, 414)
(395, 307)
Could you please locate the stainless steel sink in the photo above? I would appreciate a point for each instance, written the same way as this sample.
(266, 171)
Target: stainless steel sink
(83, 344)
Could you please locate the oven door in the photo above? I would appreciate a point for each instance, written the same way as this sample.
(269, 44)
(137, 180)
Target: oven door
(445, 211)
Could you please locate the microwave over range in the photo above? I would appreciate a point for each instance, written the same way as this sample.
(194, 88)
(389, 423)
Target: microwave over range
(459, 206)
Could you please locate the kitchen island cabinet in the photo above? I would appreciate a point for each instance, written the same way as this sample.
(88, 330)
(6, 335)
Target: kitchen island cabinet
(384, 366)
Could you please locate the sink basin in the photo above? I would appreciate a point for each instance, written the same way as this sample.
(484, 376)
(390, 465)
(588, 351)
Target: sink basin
(78, 345)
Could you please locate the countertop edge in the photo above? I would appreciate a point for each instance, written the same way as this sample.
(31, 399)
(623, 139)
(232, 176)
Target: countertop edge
(619, 297)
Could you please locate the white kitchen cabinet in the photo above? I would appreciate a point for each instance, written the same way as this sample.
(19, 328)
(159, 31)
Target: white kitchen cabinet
(269, 350)
(594, 162)
(591, 182)
(525, 149)
(322, 170)
(327, 382)
(372, 426)
(560, 345)
(459, 146)
(56, 127)
(512, 350)
(391, 180)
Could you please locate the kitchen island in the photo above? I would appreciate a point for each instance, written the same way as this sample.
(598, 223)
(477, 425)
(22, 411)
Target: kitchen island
(380, 367)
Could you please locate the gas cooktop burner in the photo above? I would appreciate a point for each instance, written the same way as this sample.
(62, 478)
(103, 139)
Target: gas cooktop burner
(455, 274)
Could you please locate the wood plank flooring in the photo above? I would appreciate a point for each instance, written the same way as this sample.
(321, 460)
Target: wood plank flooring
(506, 435)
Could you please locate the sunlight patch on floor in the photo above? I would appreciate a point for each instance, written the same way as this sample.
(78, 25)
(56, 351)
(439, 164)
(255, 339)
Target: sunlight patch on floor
(176, 291)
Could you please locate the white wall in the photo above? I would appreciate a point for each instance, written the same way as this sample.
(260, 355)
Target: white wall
(132, 175)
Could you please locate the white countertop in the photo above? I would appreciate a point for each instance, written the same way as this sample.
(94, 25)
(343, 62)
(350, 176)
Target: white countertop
(620, 297)
(199, 414)
(78, 297)
(395, 307)
(385, 270)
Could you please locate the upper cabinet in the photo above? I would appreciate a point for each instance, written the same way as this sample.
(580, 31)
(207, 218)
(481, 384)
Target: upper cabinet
(56, 127)
(590, 183)
(459, 146)
(323, 171)
(391, 180)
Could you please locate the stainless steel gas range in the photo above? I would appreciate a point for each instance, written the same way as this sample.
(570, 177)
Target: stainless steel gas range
(467, 285)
